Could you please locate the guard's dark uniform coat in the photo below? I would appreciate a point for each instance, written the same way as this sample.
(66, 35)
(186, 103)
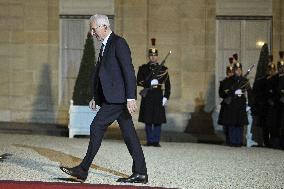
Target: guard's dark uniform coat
(235, 116)
(224, 89)
(151, 110)
(280, 92)
(260, 97)
(260, 109)
(235, 113)
(272, 109)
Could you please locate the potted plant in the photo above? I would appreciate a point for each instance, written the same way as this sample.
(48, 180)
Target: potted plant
(80, 115)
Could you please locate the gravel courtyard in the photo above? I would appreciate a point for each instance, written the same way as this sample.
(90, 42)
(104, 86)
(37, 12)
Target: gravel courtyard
(174, 165)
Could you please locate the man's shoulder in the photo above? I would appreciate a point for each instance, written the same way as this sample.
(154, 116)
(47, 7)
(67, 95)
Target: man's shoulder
(144, 66)
(244, 78)
(230, 79)
(225, 79)
(164, 67)
(118, 39)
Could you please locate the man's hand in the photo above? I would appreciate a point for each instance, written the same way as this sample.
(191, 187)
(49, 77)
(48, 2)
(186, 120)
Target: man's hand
(92, 105)
(131, 106)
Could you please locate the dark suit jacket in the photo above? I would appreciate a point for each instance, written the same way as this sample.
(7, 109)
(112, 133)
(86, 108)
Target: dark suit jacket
(115, 73)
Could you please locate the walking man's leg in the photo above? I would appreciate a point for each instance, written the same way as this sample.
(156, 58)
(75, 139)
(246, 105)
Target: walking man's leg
(105, 116)
(133, 144)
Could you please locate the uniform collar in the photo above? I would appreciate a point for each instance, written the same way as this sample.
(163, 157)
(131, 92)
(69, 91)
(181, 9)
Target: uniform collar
(153, 63)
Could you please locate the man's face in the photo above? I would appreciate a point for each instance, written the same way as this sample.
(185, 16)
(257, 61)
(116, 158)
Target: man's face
(98, 31)
(281, 70)
(238, 71)
(270, 71)
(230, 74)
(153, 58)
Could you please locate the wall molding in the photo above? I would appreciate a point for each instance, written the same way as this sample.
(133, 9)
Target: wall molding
(244, 7)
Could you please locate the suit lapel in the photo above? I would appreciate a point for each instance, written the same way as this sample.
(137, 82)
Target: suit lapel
(108, 45)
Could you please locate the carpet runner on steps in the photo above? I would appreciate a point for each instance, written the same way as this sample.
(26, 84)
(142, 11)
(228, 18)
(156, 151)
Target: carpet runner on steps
(9, 184)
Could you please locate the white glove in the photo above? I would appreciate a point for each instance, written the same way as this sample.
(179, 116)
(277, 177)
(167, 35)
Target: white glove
(247, 108)
(238, 92)
(154, 82)
(165, 100)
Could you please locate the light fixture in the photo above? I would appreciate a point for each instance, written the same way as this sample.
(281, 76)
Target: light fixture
(260, 43)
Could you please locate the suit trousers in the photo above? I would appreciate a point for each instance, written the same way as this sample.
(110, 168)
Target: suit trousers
(106, 115)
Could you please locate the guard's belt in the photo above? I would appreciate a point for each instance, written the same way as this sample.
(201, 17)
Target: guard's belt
(156, 86)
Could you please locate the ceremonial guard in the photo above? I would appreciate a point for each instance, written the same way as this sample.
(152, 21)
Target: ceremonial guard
(271, 131)
(235, 116)
(155, 80)
(224, 89)
(279, 131)
(262, 89)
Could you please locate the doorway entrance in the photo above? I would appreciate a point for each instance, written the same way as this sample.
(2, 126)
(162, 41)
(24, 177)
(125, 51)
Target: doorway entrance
(242, 35)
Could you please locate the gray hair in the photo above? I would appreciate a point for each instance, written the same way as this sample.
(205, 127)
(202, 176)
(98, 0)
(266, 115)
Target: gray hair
(99, 19)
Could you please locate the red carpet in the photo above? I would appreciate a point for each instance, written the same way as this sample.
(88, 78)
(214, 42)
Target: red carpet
(7, 184)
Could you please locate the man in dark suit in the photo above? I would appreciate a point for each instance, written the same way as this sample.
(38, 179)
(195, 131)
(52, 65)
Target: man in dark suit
(114, 86)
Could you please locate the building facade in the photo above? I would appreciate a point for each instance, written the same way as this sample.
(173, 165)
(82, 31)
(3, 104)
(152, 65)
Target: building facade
(41, 43)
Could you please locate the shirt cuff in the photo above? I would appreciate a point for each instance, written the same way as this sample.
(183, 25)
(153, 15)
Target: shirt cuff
(128, 100)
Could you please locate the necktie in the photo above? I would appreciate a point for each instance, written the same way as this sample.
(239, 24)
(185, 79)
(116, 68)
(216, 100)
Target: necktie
(101, 51)
(100, 58)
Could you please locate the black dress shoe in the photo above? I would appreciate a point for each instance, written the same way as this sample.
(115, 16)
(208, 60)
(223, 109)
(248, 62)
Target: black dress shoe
(135, 178)
(156, 144)
(77, 172)
(148, 144)
(236, 145)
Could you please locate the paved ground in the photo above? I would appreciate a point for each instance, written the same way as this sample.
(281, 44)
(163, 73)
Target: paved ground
(179, 165)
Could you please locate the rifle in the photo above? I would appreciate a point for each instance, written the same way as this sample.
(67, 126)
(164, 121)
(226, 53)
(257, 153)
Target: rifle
(228, 100)
(153, 74)
(245, 76)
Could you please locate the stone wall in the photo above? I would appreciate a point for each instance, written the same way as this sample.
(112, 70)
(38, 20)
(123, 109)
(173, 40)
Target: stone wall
(278, 28)
(86, 7)
(187, 28)
(28, 60)
(29, 43)
(29, 56)
(244, 7)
